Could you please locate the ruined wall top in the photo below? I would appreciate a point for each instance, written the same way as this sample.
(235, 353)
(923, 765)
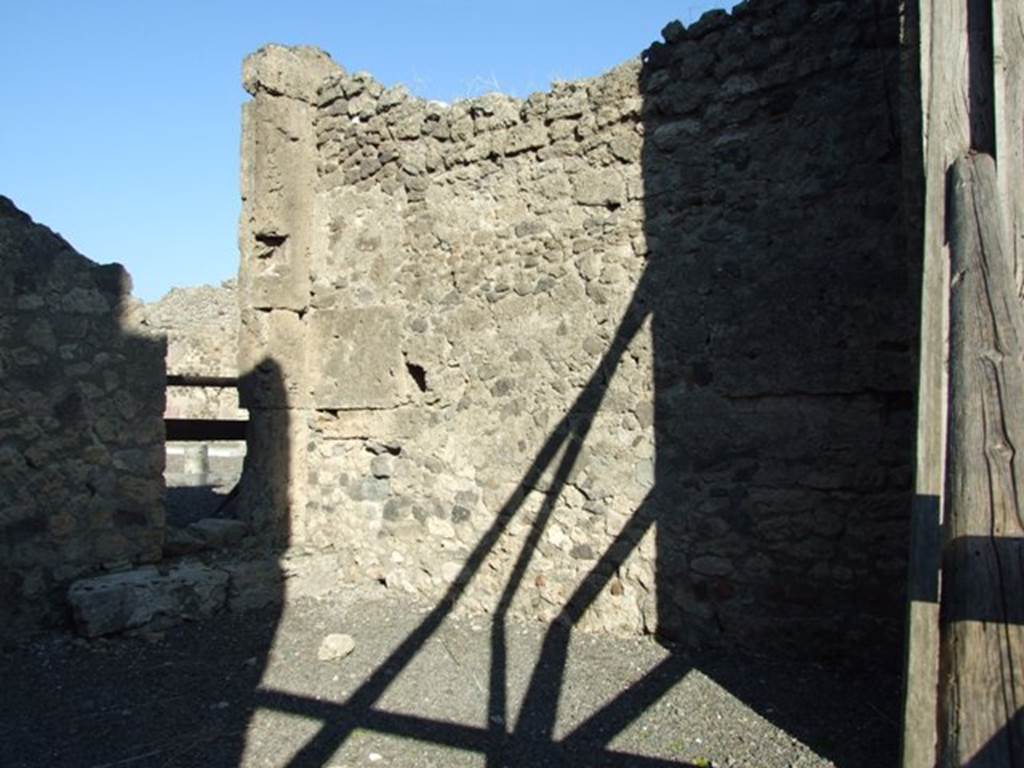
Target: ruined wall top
(206, 307)
(287, 71)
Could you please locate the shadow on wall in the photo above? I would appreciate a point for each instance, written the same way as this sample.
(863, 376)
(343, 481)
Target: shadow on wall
(184, 699)
(81, 430)
(782, 327)
(259, 584)
(778, 299)
(265, 483)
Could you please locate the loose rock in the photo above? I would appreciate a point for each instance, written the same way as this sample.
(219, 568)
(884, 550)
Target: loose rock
(335, 646)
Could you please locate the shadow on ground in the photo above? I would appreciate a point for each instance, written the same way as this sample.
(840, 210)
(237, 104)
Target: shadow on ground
(198, 695)
(189, 503)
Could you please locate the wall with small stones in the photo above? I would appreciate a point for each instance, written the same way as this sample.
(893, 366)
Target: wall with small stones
(200, 324)
(635, 353)
(81, 428)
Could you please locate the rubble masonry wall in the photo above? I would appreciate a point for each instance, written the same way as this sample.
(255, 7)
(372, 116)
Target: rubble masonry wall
(201, 327)
(636, 351)
(81, 423)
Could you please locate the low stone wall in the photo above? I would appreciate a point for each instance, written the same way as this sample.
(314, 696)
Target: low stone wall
(81, 429)
(635, 353)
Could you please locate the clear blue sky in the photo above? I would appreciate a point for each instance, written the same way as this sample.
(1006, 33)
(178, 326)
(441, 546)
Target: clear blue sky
(119, 121)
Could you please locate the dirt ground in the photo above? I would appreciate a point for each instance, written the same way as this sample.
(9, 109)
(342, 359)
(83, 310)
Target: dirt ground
(422, 688)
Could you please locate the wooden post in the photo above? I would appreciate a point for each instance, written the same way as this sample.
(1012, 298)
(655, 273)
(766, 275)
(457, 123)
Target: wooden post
(936, 130)
(982, 629)
(1008, 83)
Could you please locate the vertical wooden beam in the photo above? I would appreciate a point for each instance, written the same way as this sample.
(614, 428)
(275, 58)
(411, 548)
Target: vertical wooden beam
(937, 31)
(982, 634)
(1008, 81)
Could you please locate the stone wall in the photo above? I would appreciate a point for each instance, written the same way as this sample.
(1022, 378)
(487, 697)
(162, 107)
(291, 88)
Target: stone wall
(81, 429)
(634, 353)
(200, 324)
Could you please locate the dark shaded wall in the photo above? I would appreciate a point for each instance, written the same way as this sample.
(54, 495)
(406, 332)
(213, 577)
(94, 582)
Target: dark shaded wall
(81, 423)
(784, 324)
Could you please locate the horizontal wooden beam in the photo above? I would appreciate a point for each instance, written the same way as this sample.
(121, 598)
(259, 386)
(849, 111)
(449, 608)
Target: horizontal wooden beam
(199, 430)
(187, 380)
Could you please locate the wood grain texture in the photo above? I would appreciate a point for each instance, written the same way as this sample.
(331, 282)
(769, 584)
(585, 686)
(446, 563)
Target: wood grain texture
(936, 42)
(982, 636)
(1008, 81)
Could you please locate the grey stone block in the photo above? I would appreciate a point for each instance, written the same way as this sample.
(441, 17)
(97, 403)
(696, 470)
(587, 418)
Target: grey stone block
(117, 602)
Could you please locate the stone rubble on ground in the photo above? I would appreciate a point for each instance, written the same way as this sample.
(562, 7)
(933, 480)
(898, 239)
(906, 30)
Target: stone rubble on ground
(335, 646)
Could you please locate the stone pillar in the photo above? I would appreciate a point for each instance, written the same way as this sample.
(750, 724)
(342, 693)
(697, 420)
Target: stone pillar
(278, 233)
